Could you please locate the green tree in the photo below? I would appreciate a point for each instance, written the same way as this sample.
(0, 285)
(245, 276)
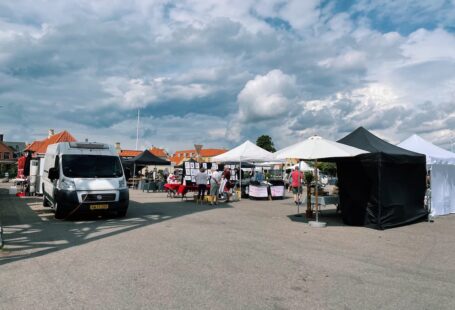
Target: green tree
(328, 168)
(266, 143)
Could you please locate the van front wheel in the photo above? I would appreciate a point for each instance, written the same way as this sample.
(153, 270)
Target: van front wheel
(59, 213)
(122, 213)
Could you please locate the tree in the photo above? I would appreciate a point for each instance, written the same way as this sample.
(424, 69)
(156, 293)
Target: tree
(328, 168)
(266, 143)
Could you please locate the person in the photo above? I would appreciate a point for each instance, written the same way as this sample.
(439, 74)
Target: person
(296, 184)
(165, 173)
(201, 181)
(290, 182)
(227, 173)
(215, 186)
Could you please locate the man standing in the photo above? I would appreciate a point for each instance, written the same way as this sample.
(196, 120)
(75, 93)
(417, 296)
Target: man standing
(215, 186)
(201, 181)
(296, 184)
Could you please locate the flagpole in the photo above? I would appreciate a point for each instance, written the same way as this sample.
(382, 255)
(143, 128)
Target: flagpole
(137, 129)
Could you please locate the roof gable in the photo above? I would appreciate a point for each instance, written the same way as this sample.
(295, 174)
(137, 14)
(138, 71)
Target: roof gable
(40, 147)
(4, 148)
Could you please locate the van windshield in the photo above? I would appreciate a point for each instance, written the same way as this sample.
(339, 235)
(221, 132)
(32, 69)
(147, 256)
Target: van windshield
(91, 166)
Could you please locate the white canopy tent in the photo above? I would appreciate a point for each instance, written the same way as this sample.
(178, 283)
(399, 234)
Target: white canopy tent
(441, 163)
(247, 151)
(315, 148)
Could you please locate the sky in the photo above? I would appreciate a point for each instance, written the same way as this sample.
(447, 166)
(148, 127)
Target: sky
(218, 72)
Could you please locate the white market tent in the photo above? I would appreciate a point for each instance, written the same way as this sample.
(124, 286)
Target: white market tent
(315, 148)
(247, 151)
(441, 163)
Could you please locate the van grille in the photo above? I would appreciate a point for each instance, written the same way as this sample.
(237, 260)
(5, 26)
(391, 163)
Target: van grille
(98, 197)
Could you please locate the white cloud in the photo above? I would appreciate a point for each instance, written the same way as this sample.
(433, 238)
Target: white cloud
(137, 93)
(267, 96)
(235, 64)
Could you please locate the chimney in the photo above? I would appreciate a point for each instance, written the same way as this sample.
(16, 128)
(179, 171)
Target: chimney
(50, 133)
(1, 137)
(117, 147)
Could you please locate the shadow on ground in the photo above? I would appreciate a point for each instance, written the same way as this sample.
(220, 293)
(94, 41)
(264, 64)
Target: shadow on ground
(329, 216)
(33, 233)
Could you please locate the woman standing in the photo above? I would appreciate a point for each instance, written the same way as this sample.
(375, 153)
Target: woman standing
(201, 181)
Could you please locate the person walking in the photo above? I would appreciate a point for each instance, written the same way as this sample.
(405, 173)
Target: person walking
(215, 186)
(296, 183)
(201, 181)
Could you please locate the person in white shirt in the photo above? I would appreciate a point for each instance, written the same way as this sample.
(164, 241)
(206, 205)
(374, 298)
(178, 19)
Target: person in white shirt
(201, 181)
(215, 185)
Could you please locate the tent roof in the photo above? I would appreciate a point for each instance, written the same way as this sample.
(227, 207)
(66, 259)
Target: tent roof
(434, 153)
(147, 158)
(363, 139)
(316, 147)
(246, 151)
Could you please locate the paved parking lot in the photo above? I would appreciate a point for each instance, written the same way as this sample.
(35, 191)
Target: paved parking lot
(169, 254)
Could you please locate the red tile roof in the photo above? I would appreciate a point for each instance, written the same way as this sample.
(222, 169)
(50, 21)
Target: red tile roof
(179, 156)
(158, 152)
(129, 153)
(4, 148)
(40, 147)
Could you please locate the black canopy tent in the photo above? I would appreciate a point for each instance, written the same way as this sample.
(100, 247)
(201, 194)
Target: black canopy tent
(146, 158)
(381, 189)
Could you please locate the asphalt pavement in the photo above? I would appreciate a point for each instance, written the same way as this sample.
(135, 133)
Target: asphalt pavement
(173, 254)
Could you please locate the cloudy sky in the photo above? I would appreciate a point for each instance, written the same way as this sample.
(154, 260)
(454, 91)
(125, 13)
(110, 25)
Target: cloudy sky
(217, 72)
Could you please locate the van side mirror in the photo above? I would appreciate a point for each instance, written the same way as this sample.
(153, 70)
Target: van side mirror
(53, 174)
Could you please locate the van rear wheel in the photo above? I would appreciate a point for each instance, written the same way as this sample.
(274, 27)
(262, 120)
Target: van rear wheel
(45, 202)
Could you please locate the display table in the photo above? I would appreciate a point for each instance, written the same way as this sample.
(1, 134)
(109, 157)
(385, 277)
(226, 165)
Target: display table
(277, 191)
(266, 190)
(180, 189)
(258, 191)
(171, 189)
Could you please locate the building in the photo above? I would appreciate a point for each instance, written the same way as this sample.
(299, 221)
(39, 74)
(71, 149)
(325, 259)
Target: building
(6, 152)
(39, 147)
(18, 148)
(205, 155)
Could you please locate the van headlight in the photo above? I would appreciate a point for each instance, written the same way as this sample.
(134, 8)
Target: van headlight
(67, 185)
(122, 183)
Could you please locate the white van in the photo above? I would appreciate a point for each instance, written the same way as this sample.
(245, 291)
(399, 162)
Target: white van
(84, 177)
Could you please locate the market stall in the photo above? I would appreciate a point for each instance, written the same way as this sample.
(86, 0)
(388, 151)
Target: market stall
(381, 189)
(246, 152)
(142, 160)
(315, 148)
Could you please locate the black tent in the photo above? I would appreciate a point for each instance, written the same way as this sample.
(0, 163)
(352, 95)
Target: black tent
(145, 159)
(381, 189)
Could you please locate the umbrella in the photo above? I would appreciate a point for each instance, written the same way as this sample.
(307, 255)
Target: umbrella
(315, 148)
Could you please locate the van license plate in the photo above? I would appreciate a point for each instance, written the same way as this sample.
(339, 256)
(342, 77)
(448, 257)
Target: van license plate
(99, 207)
